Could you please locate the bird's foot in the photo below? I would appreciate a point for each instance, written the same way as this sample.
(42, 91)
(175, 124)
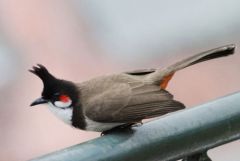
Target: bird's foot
(119, 128)
(198, 157)
(137, 124)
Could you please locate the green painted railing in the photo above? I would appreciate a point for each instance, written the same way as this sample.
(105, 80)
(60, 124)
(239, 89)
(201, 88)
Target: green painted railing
(175, 136)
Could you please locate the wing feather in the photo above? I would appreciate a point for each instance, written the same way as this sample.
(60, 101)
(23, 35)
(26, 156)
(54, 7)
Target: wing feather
(130, 102)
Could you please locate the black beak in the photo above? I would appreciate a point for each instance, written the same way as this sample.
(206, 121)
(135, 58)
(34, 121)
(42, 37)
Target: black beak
(38, 101)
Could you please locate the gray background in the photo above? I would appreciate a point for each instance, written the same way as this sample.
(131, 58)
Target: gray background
(78, 40)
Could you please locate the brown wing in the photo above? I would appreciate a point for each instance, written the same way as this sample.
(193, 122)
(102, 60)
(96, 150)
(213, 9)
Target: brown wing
(145, 72)
(128, 101)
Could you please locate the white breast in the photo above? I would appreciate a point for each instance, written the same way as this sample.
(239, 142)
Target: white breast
(63, 114)
(66, 116)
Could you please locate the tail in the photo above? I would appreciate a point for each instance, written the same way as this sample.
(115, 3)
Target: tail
(162, 76)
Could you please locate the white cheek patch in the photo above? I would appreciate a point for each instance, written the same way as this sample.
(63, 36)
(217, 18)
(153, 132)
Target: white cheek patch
(63, 104)
(64, 114)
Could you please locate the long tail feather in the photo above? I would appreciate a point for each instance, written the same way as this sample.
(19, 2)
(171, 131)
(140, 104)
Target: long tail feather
(223, 51)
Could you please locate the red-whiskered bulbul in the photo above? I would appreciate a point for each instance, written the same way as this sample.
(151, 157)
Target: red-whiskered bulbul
(110, 101)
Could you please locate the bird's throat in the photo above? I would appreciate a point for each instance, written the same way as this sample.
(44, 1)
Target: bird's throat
(63, 114)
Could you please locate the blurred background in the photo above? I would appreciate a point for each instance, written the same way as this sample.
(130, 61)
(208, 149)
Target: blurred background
(79, 40)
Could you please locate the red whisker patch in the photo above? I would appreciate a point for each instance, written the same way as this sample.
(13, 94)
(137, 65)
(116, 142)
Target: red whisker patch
(64, 98)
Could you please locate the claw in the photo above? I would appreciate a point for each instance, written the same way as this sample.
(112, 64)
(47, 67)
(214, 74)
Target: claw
(198, 157)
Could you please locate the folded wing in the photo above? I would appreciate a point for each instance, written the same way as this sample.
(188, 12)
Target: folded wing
(131, 102)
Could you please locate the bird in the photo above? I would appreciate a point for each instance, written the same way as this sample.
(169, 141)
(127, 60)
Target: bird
(116, 100)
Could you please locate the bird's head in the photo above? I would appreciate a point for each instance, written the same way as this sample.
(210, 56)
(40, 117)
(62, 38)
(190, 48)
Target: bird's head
(60, 93)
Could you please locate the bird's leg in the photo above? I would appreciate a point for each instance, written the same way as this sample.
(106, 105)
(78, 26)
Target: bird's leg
(137, 124)
(124, 126)
(198, 157)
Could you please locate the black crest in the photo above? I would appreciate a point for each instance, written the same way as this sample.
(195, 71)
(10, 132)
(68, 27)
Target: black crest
(53, 85)
(42, 73)
(50, 83)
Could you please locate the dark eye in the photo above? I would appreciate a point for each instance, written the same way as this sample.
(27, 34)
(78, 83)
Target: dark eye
(56, 94)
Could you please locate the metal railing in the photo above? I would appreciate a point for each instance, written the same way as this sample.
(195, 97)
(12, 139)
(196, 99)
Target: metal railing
(174, 136)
